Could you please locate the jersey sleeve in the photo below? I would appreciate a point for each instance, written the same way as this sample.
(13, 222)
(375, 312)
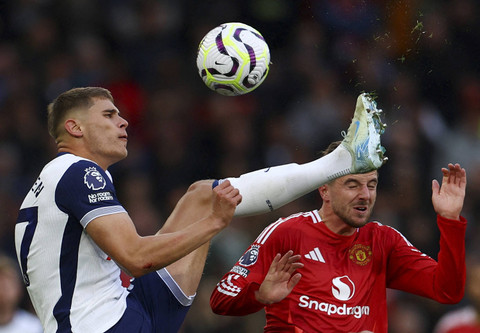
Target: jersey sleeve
(234, 295)
(86, 192)
(414, 272)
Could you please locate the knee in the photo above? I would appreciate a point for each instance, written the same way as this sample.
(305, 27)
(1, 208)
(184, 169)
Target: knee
(202, 190)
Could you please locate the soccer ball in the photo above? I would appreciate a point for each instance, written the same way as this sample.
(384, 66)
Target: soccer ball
(233, 59)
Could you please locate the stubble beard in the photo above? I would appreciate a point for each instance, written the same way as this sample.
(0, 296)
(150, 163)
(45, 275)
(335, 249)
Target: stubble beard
(347, 219)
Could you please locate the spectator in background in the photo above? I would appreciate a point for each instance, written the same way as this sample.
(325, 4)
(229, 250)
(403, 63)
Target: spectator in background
(13, 319)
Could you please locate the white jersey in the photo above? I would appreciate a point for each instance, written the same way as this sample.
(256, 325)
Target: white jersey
(74, 286)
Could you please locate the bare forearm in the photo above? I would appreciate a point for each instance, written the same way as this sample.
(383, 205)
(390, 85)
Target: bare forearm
(151, 253)
(116, 235)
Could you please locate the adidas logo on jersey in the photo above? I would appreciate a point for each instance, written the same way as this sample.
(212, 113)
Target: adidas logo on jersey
(315, 255)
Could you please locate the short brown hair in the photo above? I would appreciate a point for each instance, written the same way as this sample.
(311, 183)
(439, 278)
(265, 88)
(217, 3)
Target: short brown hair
(69, 100)
(331, 147)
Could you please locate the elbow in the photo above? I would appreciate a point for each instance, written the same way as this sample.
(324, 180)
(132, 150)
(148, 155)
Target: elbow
(136, 271)
(219, 310)
(136, 267)
(139, 259)
(217, 305)
(132, 270)
(213, 303)
(450, 300)
(216, 310)
(453, 297)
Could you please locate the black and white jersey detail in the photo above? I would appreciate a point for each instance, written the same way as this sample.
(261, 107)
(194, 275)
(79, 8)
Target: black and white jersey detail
(73, 284)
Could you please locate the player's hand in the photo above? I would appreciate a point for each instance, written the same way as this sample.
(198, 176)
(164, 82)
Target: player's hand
(280, 280)
(448, 198)
(225, 201)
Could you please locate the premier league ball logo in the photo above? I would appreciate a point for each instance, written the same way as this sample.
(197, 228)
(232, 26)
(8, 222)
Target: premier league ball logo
(94, 179)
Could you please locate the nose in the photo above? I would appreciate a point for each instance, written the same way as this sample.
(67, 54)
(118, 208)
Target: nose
(123, 123)
(364, 192)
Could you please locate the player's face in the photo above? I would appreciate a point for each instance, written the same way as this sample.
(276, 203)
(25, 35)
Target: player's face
(352, 197)
(105, 134)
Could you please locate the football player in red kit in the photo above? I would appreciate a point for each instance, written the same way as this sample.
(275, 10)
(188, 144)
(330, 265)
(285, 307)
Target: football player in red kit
(337, 279)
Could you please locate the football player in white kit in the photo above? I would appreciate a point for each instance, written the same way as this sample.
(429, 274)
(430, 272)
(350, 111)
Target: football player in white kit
(73, 236)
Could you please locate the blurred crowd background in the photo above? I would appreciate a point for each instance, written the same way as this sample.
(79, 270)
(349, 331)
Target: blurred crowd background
(421, 58)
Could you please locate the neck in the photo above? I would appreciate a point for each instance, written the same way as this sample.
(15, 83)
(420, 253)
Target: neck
(334, 223)
(85, 154)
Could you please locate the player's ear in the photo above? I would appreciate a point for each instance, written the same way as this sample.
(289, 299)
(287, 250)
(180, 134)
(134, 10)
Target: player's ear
(73, 128)
(323, 190)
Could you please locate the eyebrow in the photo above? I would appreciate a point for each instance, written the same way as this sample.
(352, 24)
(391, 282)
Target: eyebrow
(353, 180)
(111, 111)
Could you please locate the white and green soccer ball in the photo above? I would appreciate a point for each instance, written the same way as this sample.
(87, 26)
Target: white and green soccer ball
(233, 59)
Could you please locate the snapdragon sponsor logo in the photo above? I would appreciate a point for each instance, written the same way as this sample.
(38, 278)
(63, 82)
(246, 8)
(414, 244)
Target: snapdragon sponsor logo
(332, 309)
(343, 289)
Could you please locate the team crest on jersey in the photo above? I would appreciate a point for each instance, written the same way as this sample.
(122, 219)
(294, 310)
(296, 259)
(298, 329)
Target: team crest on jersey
(360, 254)
(250, 257)
(94, 179)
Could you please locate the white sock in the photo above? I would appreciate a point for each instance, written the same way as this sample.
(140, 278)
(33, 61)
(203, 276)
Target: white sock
(268, 189)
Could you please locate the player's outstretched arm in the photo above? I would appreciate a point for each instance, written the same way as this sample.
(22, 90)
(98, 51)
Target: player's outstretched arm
(280, 279)
(448, 198)
(116, 235)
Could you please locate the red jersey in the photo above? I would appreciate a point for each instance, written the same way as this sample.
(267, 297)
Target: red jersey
(344, 278)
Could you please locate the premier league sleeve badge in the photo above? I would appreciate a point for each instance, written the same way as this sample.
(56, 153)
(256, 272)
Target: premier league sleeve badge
(250, 257)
